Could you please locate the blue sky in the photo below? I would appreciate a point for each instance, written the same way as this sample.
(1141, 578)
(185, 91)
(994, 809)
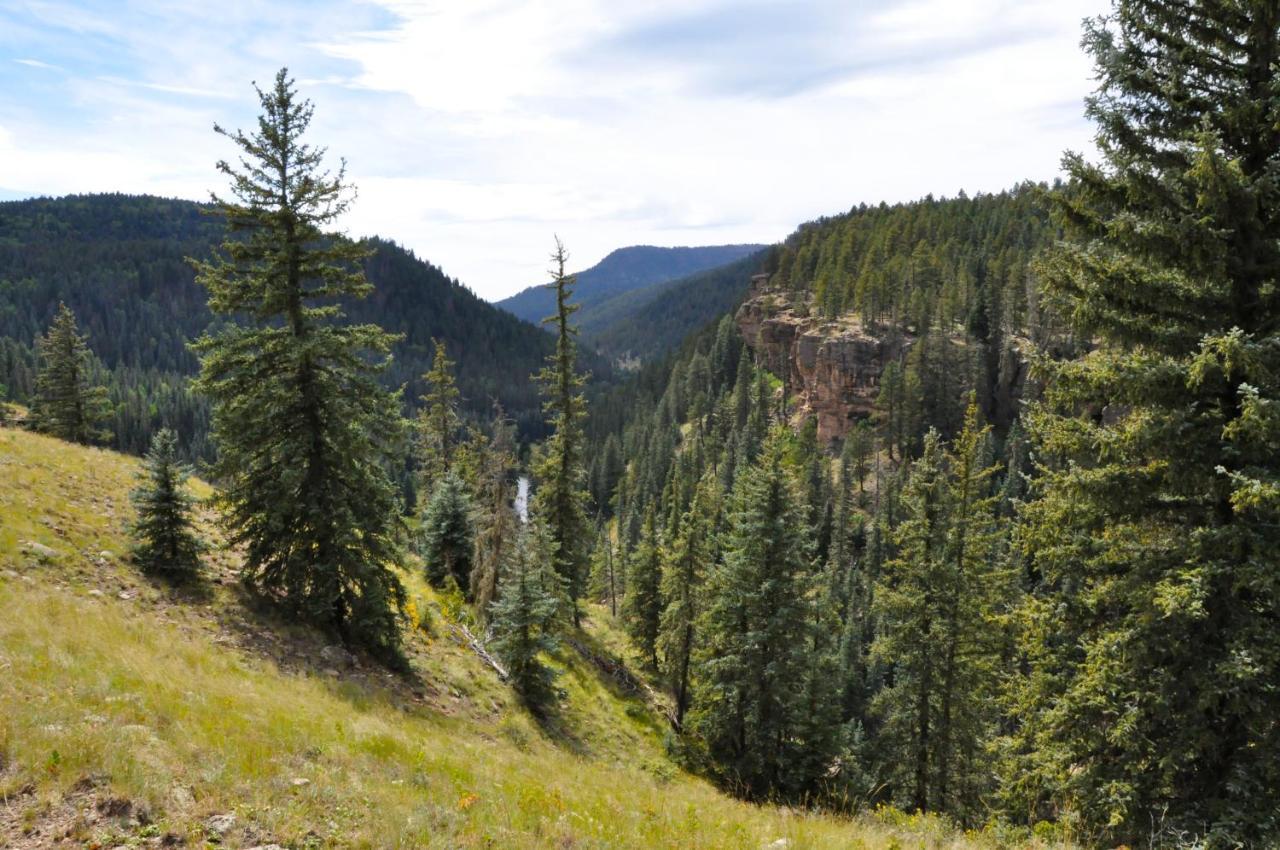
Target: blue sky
(475, 130)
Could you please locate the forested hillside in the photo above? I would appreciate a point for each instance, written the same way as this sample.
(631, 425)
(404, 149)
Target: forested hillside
(647, 323)
(626, 270)
(970, 506)
(120, 263)
(939, 522)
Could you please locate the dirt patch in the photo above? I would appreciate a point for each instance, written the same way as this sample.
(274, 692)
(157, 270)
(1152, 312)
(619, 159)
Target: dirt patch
(83, 817)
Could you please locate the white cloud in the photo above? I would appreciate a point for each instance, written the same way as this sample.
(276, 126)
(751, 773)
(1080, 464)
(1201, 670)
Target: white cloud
(477, 130)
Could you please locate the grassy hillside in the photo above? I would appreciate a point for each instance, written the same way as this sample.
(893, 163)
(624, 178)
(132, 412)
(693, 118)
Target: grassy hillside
(135, 714)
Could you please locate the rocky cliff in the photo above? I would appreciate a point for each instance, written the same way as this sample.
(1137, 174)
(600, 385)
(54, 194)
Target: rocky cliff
(831, 368)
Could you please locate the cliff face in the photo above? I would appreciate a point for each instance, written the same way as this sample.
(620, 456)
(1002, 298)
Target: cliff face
(832, 368)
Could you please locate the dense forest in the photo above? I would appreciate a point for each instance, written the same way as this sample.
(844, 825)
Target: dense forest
(1034, 584)
(645, 324)
(121, 264)
(1050, 603)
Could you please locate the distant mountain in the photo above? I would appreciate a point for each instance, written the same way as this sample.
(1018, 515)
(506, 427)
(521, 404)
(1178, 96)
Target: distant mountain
(625, 270)
(118, 262)
(646, 323)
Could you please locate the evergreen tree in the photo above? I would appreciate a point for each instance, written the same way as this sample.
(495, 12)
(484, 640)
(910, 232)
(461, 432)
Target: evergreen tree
(438, 422)
(1153, 636)
(606, 577)
(753, 664)
(497, 527)
(305, 434)
(167, 544)
(561, 496)
(448, 535)
(68, 405)
(908, 600)
(684, 567)
(524, 617)
(642, 607)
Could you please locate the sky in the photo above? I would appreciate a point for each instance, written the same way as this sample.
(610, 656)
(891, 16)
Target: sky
(476, 131)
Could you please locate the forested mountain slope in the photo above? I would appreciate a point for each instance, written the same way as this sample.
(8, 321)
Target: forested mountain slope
(936, 298)
(625, 270)
(119, 262)
(649, 322)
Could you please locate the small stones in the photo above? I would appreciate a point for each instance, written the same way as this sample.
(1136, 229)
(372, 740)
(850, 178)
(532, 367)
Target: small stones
(336, 656)
(40, 551)
(220, 825)
(300, 782)
(93, 591)
(181, 798)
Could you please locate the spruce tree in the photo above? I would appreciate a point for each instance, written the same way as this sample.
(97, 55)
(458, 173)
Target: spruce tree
(497, 527)
(524, 617)
(684, 568)
(939, 606)
(561, 497)
(753, 662)
(67, 404)
(438, 422)
(166, 543)
(305, 434)
(642, 606)
(448, 535)
(908, 601)
(1153, 527)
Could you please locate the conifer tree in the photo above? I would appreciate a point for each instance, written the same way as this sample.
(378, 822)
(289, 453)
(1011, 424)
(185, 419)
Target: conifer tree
(305, 434)
(448, 535)
(524, 617)
(907, 605)
(498, 523)
(166, 542)
(1153, 527)
(642, 607)
(753, 662)
(561, 496)
(684, 568)
(606, 584)
(438, 422)
(67, 404)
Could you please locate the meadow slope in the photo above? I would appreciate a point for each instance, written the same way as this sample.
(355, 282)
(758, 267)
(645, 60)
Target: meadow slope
(134, 714)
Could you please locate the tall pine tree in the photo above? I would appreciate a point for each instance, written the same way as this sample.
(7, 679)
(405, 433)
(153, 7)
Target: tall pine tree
(753, 662)
(524, 618)
(67, 404)
(1153, 528)
(561, 498)
(448, 535)
(497, 526)
(684, 570)
(642, 606)
(438, 422)
(305, 434)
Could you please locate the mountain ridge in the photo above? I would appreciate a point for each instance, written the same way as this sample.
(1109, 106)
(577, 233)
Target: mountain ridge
(625, 270)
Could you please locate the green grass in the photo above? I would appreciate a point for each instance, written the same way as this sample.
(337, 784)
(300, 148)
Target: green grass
(192, 704)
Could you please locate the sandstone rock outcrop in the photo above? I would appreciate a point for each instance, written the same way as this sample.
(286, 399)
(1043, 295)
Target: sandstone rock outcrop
(832, 368)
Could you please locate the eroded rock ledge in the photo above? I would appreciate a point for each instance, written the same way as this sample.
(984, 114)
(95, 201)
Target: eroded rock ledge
(832, 367)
